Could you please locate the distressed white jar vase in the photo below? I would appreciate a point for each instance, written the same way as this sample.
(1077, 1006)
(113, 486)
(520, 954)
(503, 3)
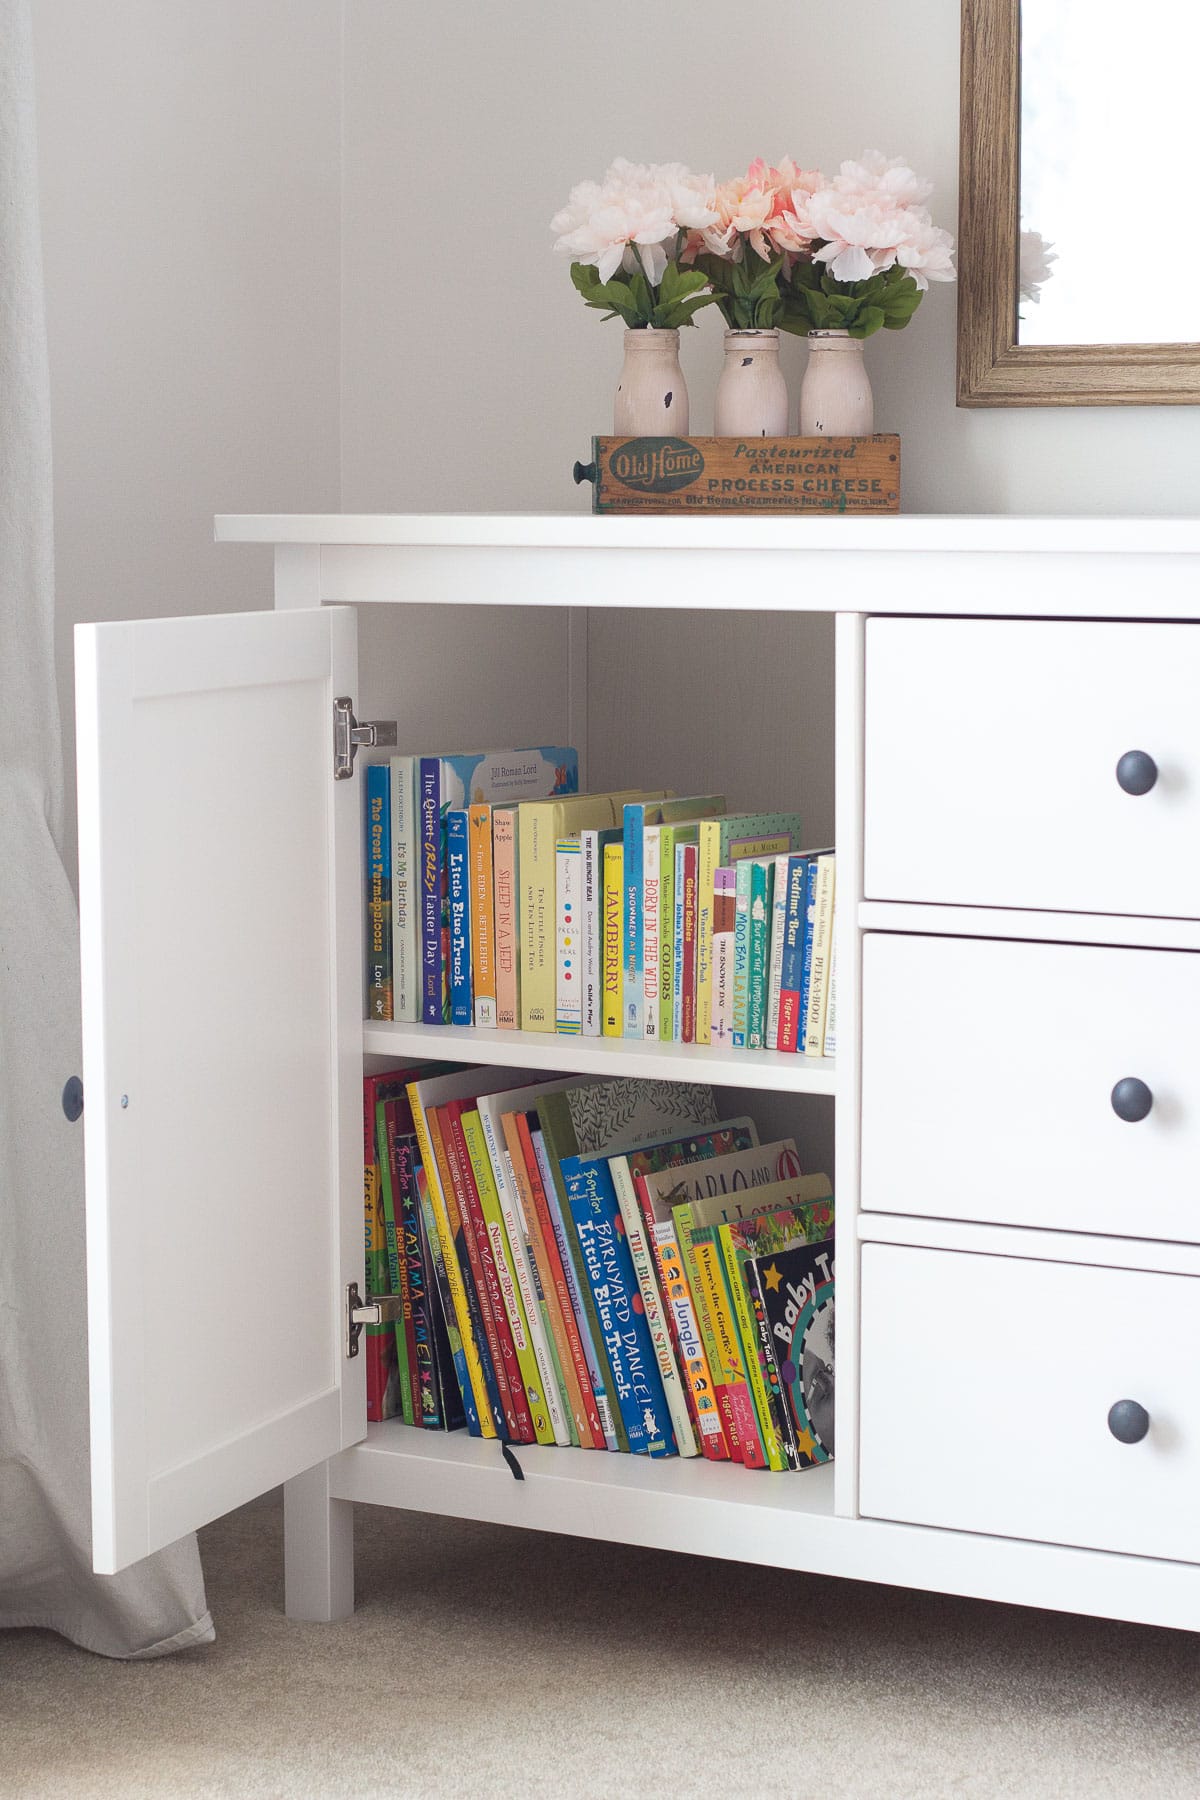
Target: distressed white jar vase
(835, 394)
(752, 396)
(652, 396)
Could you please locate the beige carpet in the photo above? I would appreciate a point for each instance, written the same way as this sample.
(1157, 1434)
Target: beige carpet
(488, 1662)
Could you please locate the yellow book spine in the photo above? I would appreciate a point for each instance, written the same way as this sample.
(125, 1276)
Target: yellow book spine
(437, 1175)
(483, 914)
(698, 1288)
(613, 947)
(539, 824)
(489, 1205)
(818, 992)
(708, 861)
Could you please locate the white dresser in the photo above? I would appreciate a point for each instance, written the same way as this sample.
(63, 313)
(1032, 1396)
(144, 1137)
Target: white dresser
(1014, 1116)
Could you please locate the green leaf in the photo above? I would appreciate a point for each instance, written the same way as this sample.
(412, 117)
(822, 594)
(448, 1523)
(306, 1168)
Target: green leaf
(586, 276)
(766, 285)
(868, 322)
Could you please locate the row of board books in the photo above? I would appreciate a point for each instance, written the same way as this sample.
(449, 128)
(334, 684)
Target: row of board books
(607, 1264)
(499, 896)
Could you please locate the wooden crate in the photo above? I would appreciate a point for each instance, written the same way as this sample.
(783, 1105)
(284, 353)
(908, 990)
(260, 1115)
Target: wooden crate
(744, 475)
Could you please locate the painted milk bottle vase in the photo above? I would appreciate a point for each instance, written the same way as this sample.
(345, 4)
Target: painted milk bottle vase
(652, 397)
(835, 394)
(752, 396)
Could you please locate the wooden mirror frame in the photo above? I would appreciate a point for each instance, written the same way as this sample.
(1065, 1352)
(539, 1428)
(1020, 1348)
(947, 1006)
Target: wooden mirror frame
(993, 368)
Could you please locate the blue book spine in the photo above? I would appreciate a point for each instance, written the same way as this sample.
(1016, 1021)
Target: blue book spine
(431, 891)
(810, 916)
(626, 1336)
(596, 1372)
(461, 1006)
(677, 995)
(379, 891)
(791, 978)
(633, 985)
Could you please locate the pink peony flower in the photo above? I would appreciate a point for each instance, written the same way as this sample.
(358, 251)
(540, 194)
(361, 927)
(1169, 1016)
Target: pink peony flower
(766, 207)
(869, 218)
(926, 253)
(636, 203)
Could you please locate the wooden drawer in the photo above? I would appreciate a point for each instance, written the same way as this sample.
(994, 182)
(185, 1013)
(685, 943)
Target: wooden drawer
(991, 764)
(991, 1075)
(987, 1383)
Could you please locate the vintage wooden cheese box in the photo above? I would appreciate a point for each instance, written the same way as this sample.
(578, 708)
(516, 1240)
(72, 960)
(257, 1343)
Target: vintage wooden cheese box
(744, 475)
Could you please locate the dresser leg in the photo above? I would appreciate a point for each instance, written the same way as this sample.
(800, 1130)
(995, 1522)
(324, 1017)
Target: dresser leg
(318, 1549)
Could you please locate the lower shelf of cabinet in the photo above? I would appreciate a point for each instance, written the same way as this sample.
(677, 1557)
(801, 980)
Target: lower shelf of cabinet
(783, 1521)
(774, 1069)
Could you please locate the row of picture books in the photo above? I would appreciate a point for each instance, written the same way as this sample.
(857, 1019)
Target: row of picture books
(608, 1264)
(498, 895)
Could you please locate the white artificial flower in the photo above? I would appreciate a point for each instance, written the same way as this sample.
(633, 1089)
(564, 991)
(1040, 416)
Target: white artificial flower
(640, 204)
(1036, 256)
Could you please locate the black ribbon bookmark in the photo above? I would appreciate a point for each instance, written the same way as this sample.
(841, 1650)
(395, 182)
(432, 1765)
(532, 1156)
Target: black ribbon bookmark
(517, 1471)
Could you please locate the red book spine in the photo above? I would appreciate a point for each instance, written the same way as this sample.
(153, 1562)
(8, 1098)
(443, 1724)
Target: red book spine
(487, 1283)
(561, 1286)
(398, 1115)
(688, 984)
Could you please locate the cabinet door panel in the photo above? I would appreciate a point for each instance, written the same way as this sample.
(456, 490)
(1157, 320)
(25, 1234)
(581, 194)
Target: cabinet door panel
(989, 1070)
(222, 1044)
(991, 760)
(987, 1383)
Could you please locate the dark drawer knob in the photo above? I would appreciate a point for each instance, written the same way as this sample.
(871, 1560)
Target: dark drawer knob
(1137, 772)
(1131, 1099)
(1128, 1421)
(72, 1098)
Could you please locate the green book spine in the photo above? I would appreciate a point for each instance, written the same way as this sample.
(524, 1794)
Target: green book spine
(741, 955)
(666, 934)
(762, 881)
(748, 1334)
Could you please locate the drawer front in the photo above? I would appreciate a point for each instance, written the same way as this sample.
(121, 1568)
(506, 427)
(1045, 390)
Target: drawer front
(989, 1071)
(991, 764)
(987, 1383)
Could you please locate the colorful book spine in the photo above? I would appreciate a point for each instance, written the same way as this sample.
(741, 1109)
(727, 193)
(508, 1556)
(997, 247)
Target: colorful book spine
(427, 1398)
(494, 1320)
(741, 954)
(385, 1119)
(510, 1294)
(810, 919)
(610, 1273)
(563, 1238)
(830, 1046)
(516, 1227)
(561, 1317)
(681, 1219)
(779, 899)
(591, 851)
(568, 890)
(727, 1339)
(380, 1341)
(432, 1239)
(406, 984)
(689, 1347)
(722, 1013)
(743, 1320)
(762, 875)
(504, 877)
(483, 914)
(689, 994)
(792, 972)
(651, 930)
(677, 958)
(632, 920)
(768, 1362)
(653, 1309)
(440, 1192)
(726, 840)
(462, 1011)
(613, 947)
(379, 891)
(666, 927)
(432, 970)
(814, 1034)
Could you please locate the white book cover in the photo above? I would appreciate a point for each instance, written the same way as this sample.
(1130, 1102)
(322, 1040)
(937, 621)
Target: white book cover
(651, 940)
(722, 988)
(830, 1048)
(406, 976)
(568, 906)
(652, 1305)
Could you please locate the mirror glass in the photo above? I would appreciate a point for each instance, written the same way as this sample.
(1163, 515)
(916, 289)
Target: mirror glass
(1110, 195)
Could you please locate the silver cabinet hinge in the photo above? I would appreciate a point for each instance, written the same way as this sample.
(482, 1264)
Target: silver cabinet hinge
(380, 1309)
(348, 734)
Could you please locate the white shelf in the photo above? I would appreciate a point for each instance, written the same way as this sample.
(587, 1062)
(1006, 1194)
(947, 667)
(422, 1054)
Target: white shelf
(770, 1069)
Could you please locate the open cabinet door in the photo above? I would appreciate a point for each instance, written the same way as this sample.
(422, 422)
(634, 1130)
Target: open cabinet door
(222, 1055)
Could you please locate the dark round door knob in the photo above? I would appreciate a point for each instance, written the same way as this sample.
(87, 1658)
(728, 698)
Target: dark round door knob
(72, 1098)
(1137, 772)
(1131, 1099)
(1128, 1421)
(584, 472)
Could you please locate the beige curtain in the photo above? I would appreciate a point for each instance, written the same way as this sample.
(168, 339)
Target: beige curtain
(45, 1506)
